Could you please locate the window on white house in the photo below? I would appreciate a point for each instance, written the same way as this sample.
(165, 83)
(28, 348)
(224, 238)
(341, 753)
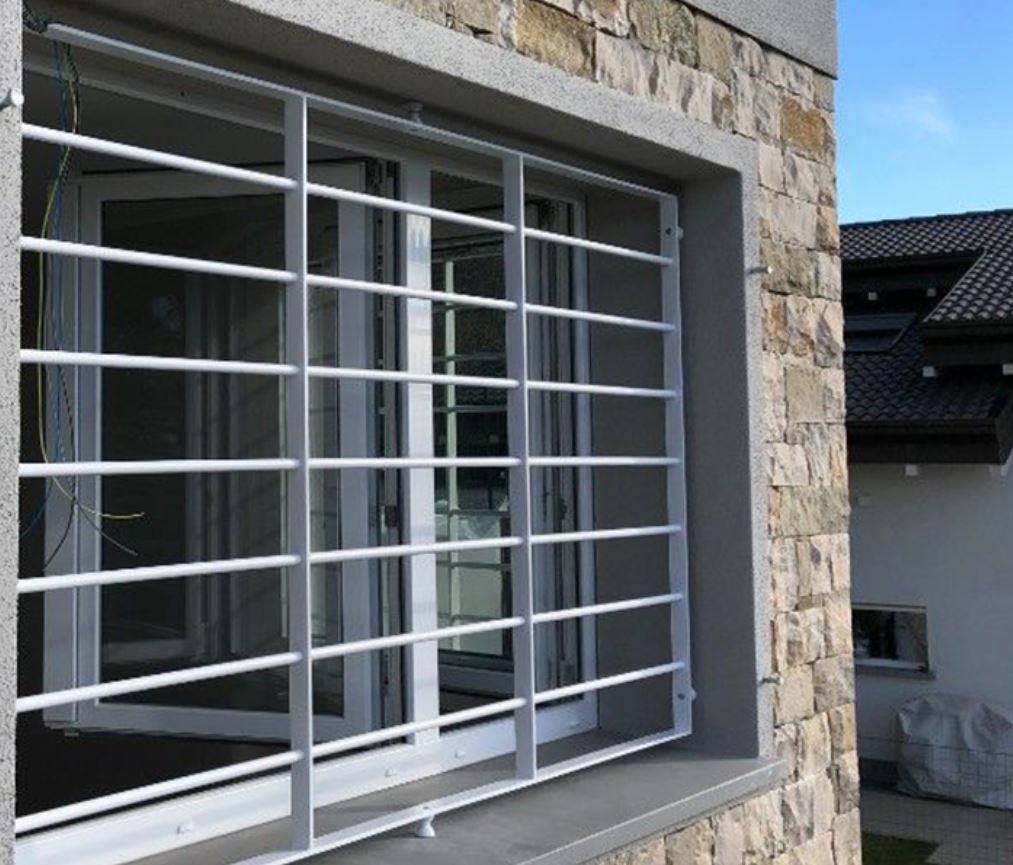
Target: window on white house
(875, 332)
(373, 464)
(892, 638)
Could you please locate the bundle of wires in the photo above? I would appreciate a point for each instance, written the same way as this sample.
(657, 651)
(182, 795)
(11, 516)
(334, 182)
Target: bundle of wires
(50, 323)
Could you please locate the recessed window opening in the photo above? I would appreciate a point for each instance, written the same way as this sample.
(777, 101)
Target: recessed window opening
(349, 460)
(891, 638)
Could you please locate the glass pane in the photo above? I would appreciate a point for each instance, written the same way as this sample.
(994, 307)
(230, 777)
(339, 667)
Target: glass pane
(168, 624)
(891, 637)
(474, 503)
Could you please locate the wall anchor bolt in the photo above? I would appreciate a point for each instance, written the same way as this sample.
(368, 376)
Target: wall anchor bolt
(13, 98)
(414, 111)
(761, 270)
(424, 828)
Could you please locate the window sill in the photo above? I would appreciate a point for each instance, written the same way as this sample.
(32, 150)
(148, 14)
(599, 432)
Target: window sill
(577, 817)
(893, 672)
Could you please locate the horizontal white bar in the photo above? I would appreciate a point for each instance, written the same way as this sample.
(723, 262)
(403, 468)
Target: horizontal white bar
(338, 194)
(159, 60)
(138, 361)
(340, 282)
(152, 467)
(604, 609)
(157, 680)
(604, 534)
(153, 157)
(585, 175)
(598, 317)
(155, 572)
(323, 463)
(338, 372)
(591, 461)
(375, 737)
(339, 649)
(137, 795)
(607, 682)
(154, 259)
(601, 389)
(605, 755)
(472, 356)
(596, 246)
(391, 552)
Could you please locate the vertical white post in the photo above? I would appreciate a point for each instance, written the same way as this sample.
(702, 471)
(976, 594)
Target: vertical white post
(584, 447)
(518, 431)
(355, 419)
(300, 633)
(682, 691)
(419, 496)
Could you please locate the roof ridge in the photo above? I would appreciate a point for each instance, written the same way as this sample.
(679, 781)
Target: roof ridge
(1003, 211)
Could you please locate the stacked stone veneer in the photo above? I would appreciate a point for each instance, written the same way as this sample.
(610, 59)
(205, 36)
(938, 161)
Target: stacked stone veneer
(666, 52)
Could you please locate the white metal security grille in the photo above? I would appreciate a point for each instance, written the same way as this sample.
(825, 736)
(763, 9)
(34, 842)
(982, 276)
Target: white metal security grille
(298, 762)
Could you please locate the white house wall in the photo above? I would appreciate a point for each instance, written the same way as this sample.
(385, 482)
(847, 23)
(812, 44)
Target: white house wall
(942, 539)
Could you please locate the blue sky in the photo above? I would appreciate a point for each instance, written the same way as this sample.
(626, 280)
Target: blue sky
(924, 107)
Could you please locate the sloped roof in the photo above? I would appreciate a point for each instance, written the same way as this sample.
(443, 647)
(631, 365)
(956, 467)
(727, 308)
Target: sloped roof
(889, 388)
(984, 295)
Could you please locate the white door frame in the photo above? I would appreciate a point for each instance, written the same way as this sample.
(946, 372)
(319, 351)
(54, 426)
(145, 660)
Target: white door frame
(77, 663)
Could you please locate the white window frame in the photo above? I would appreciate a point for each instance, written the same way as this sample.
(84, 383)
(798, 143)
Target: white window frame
(74, 660)
(304, 784)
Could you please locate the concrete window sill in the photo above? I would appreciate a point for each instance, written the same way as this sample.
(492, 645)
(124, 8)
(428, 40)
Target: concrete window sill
(893, 672)
(577, 817)
(567, 821)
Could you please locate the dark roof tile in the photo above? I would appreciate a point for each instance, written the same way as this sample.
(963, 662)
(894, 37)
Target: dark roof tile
(889, 388)
(984, 294)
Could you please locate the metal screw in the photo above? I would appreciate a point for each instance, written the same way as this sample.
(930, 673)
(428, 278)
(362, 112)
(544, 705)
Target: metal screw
(13, 98)
(414, 111)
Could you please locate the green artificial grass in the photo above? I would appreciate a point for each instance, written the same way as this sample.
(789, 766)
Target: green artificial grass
(881, 850)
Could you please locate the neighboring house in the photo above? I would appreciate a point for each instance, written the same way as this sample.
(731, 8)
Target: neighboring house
(425, 425)
(929, 351)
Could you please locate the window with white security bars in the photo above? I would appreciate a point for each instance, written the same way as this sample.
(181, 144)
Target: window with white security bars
(354, 457)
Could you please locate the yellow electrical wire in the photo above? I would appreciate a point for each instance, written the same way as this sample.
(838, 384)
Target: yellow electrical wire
(39, 335)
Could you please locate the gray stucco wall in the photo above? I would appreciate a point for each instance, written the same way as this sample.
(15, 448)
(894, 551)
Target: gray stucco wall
(806, 31)
(10, 341)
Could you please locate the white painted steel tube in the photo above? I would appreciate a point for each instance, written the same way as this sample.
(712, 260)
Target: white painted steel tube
(326, 463)
(153, 157)
(159, 60)
(154, 362)
(154, 572)
(601, 389)
(335, 372)
(137, 795)
(339, 649)
(152, 467)
(391, 552)
(157, 680)
(338, 194)
(592, 461)
(154, 259)
(596, 246)
(362, 740)
(604, 534)
(607, 682)
(598, 317)
(604, 609)
(340, 282)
